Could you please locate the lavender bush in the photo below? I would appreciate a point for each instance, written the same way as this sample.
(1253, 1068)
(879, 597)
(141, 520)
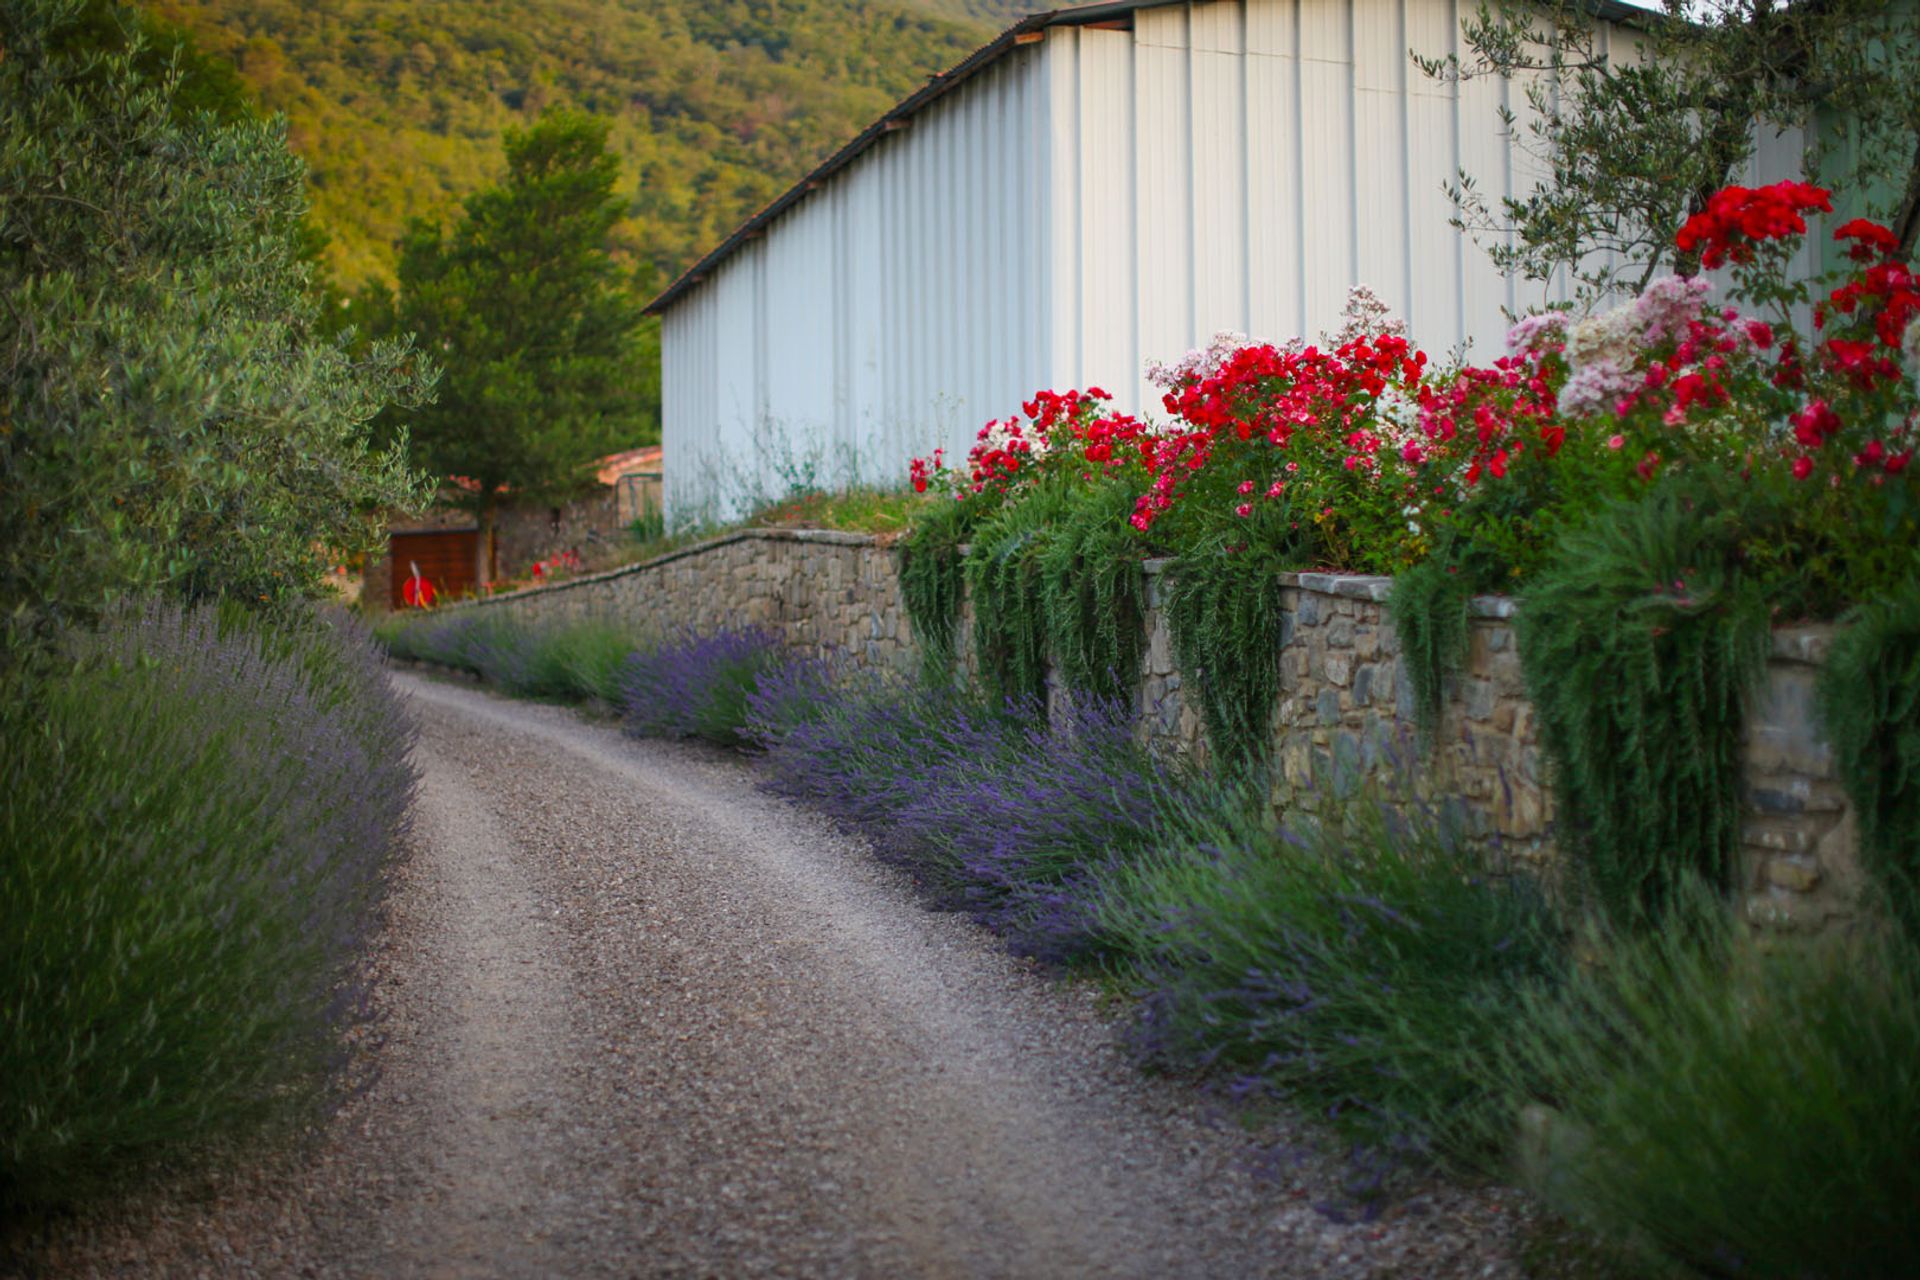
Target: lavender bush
(197, 818)
(565, 661)
(697, 685)
(1734, 1111)
(1363, 965)
(996, 812)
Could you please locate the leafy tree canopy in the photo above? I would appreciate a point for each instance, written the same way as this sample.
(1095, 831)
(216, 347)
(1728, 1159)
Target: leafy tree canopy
(716, 105)
(170, 418)
(1633, 131)
(536, 322)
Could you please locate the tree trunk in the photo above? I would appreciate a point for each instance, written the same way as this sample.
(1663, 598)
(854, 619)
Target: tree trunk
(1906, 219)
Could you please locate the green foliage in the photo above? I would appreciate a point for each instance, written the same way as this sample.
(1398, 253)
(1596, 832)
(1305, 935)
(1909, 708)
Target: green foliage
(158, 50)
(933, 582)
(858, 508)
(1095, 595)
(1010, 640)
(1737, 1114)
(1429, 608)
(1870, 706)
(1225, 608)
(190, 863)
(538, 321)
(1635, 145)
(1642, 643)
(170, 418)
(715, 107)
(565, 661)
(1367, 967)
(705, 685)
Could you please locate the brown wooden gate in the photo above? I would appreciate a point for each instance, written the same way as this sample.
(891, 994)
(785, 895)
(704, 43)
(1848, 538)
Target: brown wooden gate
(446, 557)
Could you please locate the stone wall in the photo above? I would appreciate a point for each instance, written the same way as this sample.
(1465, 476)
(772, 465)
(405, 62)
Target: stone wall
(1345, 708)
(820, 591)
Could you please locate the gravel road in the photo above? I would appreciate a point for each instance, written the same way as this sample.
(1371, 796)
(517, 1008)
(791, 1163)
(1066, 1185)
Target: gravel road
(638, 1019)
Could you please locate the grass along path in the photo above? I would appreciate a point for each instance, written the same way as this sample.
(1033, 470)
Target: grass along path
(640, 1019)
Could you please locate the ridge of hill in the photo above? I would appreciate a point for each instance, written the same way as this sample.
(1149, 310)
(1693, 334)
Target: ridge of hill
(717, 105)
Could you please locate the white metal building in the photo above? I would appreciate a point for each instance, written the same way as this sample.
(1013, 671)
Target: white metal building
(1098, 187)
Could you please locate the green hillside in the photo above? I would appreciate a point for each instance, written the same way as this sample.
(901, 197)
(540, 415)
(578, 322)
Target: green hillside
(717, 105)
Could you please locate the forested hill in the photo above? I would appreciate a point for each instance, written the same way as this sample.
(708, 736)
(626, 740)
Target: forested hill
(717, 105)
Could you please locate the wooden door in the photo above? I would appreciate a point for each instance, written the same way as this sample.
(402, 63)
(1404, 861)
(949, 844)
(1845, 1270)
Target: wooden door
(446, 558)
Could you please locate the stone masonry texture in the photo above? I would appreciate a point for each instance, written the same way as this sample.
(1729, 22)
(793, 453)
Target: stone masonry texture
(1345, 712)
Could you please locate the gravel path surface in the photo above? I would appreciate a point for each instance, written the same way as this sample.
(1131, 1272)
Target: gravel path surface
(639, 1019)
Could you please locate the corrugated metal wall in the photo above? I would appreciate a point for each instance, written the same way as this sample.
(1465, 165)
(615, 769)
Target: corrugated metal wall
(1092, 202)
(1242, 165)
(893, 310)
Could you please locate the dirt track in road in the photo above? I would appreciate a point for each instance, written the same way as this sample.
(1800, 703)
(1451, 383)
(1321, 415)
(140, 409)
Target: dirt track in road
(642, 1020)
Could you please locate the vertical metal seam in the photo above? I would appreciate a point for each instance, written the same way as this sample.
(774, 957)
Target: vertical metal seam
(1299, 173)
(1453, 173)
(1402, 89)
(1353, 142)
(1193, 183)
(1246, 179)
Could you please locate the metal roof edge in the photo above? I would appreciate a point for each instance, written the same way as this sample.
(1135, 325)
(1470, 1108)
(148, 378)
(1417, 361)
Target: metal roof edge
(943, 82)
(937, 86)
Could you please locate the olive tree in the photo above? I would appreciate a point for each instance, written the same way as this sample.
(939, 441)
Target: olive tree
(1631, 136)
(171, 418)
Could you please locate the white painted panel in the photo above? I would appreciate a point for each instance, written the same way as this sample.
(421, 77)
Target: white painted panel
(1486, 155)
(1219, 193)
(1379, 47)
(796, 427)
(1164, 26)
(1164, 173)
(1270, 27)
(1327, 143)
(1276, 205)
(1381, 226)
(1215, 26)
(1108, 250)
(1066, 220)
(1436, 305)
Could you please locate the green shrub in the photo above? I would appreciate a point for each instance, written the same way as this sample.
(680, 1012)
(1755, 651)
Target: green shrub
(1754, 1117)
(191, 853)
(932, 582)
(1870, 703)
(175, 418)
(1367, 968)
(566, 661)
(1225, 608)
(1642, 643)
(701, 685)
(1010, 641)
(1095, 595)
(1429, 609)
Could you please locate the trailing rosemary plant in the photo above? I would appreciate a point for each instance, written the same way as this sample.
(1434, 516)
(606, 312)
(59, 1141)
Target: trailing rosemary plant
(1094, 594)
(1225, 608)
(1429, 609)
(1642, 642)
(931, 582)
(1870, 705)
(1003, 583)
